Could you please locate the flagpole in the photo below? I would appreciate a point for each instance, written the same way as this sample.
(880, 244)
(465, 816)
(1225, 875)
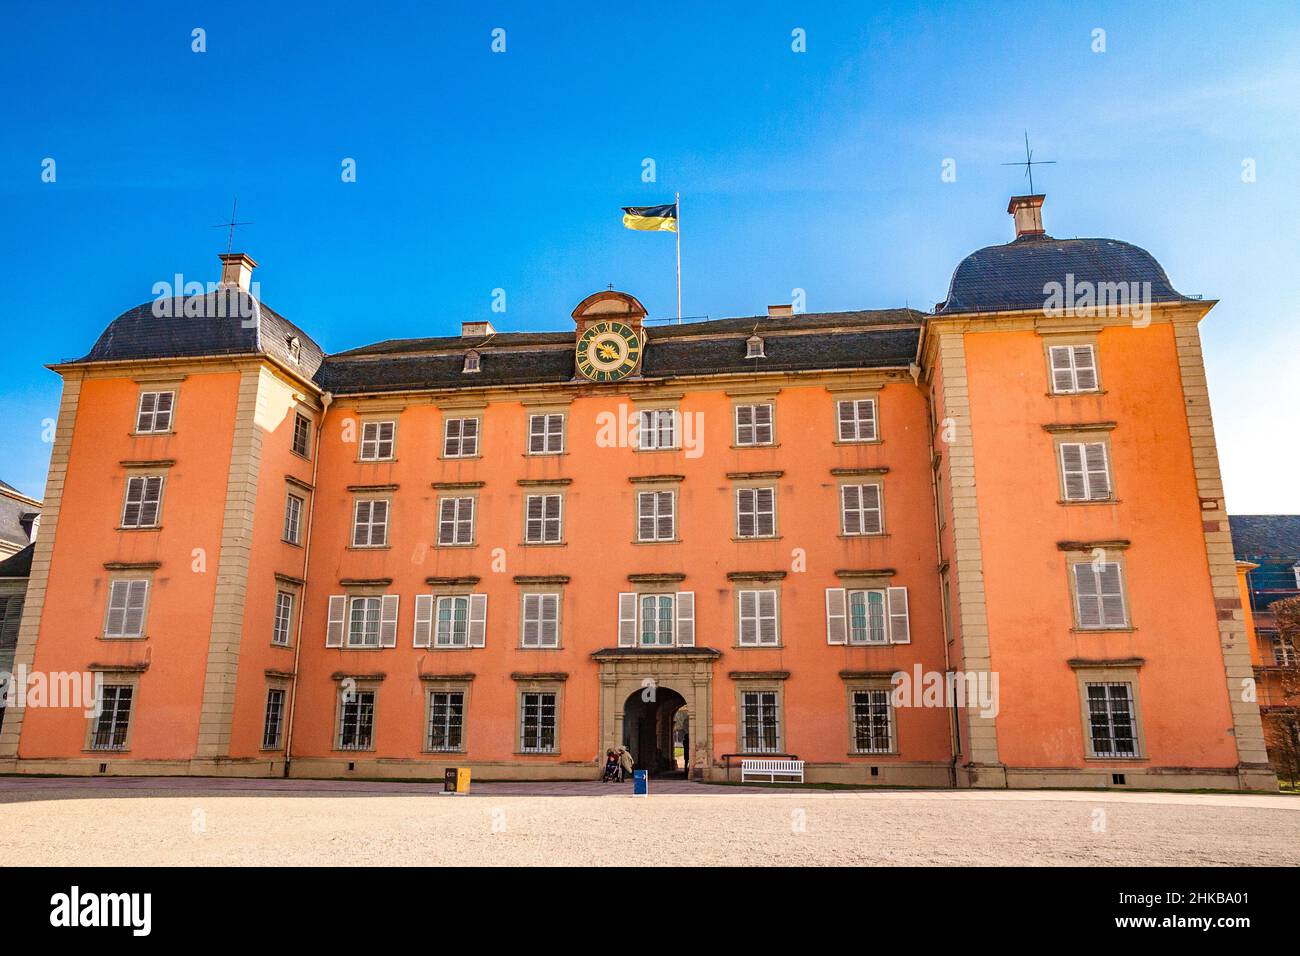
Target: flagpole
(678, 210)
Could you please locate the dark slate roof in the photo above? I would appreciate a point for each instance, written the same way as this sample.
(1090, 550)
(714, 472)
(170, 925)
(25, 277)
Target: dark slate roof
(224, 322)
(1013, 276)
(1256, 537)
(16, 519)
(808, 341)
(18, 565)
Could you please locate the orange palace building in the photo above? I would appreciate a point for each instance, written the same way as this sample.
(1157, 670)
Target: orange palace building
(984, 546)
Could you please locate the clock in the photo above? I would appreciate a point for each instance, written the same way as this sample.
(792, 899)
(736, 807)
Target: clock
(608, 351)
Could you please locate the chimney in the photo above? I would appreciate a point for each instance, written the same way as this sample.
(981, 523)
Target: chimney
(1028, 211)
(775, 310)
(476, 330)
(237, 269)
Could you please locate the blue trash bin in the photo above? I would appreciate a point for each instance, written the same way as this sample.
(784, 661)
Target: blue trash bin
(640, 783)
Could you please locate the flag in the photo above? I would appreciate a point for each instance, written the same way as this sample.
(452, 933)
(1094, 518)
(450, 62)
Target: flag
(651, 218)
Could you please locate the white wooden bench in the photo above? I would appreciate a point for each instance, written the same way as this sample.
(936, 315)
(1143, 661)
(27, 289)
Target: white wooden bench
(771, 769)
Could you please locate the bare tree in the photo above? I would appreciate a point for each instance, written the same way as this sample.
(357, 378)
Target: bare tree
(1286, 720)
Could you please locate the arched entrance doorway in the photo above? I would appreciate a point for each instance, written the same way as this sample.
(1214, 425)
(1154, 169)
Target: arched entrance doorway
(683, 698)
(656, 729)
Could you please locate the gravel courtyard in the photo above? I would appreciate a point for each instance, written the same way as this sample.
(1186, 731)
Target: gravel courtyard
(160, 822)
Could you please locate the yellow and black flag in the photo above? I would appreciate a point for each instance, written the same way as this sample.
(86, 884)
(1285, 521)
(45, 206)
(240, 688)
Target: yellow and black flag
(651, 218)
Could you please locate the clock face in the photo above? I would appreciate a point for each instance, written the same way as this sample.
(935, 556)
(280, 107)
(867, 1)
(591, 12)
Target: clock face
(608, 351)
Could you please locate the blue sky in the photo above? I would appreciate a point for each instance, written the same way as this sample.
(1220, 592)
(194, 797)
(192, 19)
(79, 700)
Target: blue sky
(475, 171)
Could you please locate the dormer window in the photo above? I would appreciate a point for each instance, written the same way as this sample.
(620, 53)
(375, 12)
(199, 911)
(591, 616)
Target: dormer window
(295, 348)
(754, 347)
(471, 361)
(1295, 568)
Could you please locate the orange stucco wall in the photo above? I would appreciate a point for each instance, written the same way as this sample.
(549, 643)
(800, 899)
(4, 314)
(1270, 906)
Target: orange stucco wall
(598, 555)
(1183, 698)
(180, 607)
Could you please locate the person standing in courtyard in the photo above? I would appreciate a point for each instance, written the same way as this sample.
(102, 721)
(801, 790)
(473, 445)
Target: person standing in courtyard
(624, 762)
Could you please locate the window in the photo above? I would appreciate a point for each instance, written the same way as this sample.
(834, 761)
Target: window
(301, 435)
(754, 347)
(1110, 719)
(1074, 369)
(857, 419)
(759, 719)
(455, 520)
(110, 727)
(450, 620)
(758, 621)
(293, 518)
(656, 515)
(1085, 471)
(1099, 595)
(155, 412)
(472, 363)
(867, 616)
(453, 622)
(658, 429)
(656, 620)
(1284, 653)
(357, 720)
(370, 523)
(446, 720)
(11, 614)
(537, 723)
(541, 620)
(545, 434)
(872, 722)
(126, 604)
(755, 512)
(363, 622)
(542, 519)
(143, 501)
(1295, 569)
(860, 511)
(273, 724)
(460, 438)
(295, 349)
(283, 618)
(377, 440)
(754, 424)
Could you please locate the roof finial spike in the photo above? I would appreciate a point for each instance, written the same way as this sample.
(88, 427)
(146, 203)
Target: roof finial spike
(230, 240)
(1030, 163)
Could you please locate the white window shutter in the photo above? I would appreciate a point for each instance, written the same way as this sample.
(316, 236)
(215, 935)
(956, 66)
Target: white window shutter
(1085, 368)
(871, 510)
(388, 621)
(423, 636)
(478, 620)
(334, 626)
(1062, 369)
(768, 625)
(1076, 486)
(666, 516)
(685, 618)
(1098, 470)
(1087, 601)
(837, 619)
(850, 509)
(136, 593)
(900, 630)
(1112, 596)
(549, 629)
(626, 619)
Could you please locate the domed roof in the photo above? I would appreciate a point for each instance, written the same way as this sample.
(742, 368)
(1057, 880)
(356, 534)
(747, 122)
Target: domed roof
(1016, 275)
(227, 321)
